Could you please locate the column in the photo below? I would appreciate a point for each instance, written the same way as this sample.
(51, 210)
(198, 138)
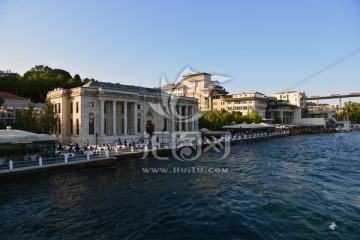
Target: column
(125, 117)
(180, 119)
(173, 118)
(186, 118)
(114, 118)
(135, 118)
(102, 117)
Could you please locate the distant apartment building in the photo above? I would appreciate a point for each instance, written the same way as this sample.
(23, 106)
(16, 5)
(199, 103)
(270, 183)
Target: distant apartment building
(4, 73)
(101, 113)
(197, 85)
(12, 106)
(243, 102)
(294, 97)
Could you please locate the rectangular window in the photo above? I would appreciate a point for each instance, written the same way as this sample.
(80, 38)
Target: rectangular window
(71, 126)
(55, 108)
(138, 107)
(105, 126)
(165, 125)
(91, 126)
(77, 127)
(59, 129)
(77, 107)
(138, 125)
(71, 107)
(91, 104)
(59, 107)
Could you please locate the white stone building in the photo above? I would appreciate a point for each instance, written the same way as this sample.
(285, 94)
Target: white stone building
(198, 85)
(294, 97)
(243, 102)
(102, 113)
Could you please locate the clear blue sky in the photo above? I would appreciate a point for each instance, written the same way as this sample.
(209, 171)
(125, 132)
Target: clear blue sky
(263, 45)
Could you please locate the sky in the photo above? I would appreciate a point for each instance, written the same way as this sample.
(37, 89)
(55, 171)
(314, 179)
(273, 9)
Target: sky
(262, 45)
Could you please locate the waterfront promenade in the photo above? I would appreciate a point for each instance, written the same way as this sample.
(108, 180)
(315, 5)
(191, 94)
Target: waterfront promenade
(111, 158)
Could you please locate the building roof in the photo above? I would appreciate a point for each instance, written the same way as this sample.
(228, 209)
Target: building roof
(123, 87)
(249, 126)
(8, 97)
(9, 136)
(196, 73)
(288, 92)
(281, 103)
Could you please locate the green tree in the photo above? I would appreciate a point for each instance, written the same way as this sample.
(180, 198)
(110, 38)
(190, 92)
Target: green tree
(254, 117)
(44, 79)
(11, 83)
(277, 120)
(47, 119)
(352, 110)
(38, 81)
(214, 120)
(75, 81)
(28, 120)
(86, 80)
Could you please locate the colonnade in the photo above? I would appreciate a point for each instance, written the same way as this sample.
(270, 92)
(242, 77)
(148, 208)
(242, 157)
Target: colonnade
(182, 118)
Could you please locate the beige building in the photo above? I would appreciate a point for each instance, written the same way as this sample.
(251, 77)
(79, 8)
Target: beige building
(294, 97)
(199, 86)
(243, 102)
(101, 113)
(12, 107)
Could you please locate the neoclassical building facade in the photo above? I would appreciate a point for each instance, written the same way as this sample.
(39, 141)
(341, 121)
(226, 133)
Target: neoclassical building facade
(102, 113)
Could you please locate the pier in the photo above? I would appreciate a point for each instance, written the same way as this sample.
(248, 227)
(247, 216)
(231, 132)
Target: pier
(69, 162)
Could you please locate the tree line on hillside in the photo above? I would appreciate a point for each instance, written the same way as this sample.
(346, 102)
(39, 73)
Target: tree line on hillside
(214, 120)
(38, 81)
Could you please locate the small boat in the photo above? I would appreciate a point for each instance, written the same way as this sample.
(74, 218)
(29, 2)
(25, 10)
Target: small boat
(356, 127)
(343, 126)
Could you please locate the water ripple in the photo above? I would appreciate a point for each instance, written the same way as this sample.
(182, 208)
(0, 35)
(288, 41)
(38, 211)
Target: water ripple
(288, 188)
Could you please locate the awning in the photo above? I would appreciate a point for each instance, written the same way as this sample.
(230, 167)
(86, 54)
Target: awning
(17, 137)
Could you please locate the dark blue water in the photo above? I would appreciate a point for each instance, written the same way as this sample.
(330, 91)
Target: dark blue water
(288, 188)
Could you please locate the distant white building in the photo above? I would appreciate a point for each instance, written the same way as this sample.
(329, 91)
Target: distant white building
(294, 97)
(197, 85)
(243, 102)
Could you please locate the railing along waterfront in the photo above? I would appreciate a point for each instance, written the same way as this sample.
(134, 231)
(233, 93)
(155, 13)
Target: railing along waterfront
(39, 161)
(93, 155)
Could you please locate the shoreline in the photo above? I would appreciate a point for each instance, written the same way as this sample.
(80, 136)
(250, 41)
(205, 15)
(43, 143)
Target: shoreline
(100, 162)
